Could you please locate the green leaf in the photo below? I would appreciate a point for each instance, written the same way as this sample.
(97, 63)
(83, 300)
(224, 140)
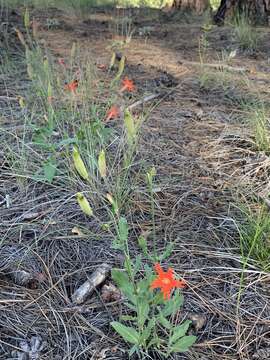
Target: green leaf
(164, 322)
(120, 277)
(143, 311)
(49, 170)
(49, 90)
(26, 18)
(150, 175)
(117, 246)
(128, 265)
(180, 331)
(143, 287)
(158, 299)
(155, 341)
(122, 231)
(121, 68)
(148, 330)
(84, 204)
(173, 305)
(123, 228)
(149, 272)
(128, 318)
(167, 252)
(137, 265)
(130, 127)
(183, 344)
(122, 280)
(79, 164)
(41, 137)
(142, 244)
(134, 349)
(129, 334)
(102, 168)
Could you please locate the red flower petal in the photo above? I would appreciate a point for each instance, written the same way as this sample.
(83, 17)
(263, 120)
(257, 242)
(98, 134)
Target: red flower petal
(72, 86)
(128, 85)
(113, 113)
(165, 281)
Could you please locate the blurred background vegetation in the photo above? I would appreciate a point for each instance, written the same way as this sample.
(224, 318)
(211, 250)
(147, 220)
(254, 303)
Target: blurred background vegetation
(88, 4)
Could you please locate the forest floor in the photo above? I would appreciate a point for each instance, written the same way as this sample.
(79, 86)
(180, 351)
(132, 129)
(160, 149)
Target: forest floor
(206, 134)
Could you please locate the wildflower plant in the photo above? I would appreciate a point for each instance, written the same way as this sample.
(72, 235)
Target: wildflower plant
(151, 325)
(153, 301)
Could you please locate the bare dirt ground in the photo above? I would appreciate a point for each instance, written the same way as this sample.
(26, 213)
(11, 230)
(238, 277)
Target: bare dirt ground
(198, 139)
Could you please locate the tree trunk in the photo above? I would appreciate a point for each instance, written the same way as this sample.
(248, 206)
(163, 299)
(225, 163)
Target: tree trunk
(258, 11)
(198, 6)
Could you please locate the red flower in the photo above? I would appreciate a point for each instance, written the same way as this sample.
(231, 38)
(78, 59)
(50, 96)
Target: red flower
(113, 113)
(72, 86)
(127, 85)
(61, 61)
(166, 282)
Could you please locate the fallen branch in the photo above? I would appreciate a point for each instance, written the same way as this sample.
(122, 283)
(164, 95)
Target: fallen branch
(218, 66)
(144, 100)
(151, 97)
(87, 288)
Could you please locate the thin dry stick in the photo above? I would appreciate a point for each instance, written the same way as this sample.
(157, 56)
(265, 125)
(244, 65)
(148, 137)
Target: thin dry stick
(144, 100)
(218, 66)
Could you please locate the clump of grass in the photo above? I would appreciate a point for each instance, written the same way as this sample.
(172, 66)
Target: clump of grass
(211, 80)
(208, 78)
(65, 117)
(254, 236)
(260, 125)
(246, 35)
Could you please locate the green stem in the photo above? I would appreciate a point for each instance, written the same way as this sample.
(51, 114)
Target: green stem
(150, 183)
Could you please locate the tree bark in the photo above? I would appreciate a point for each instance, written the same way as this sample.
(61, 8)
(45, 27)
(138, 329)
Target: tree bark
(258, 11)
(198, 6)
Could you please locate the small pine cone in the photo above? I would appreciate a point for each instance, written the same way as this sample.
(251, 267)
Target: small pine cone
(20, 264)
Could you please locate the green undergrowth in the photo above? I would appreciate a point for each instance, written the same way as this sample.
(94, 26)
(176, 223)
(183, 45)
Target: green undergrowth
(254, 231)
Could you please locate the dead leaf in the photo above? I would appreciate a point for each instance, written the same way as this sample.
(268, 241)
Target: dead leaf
(102, 67)
(253, 70)
(110, 293)
(198, 320)
(77, 231)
